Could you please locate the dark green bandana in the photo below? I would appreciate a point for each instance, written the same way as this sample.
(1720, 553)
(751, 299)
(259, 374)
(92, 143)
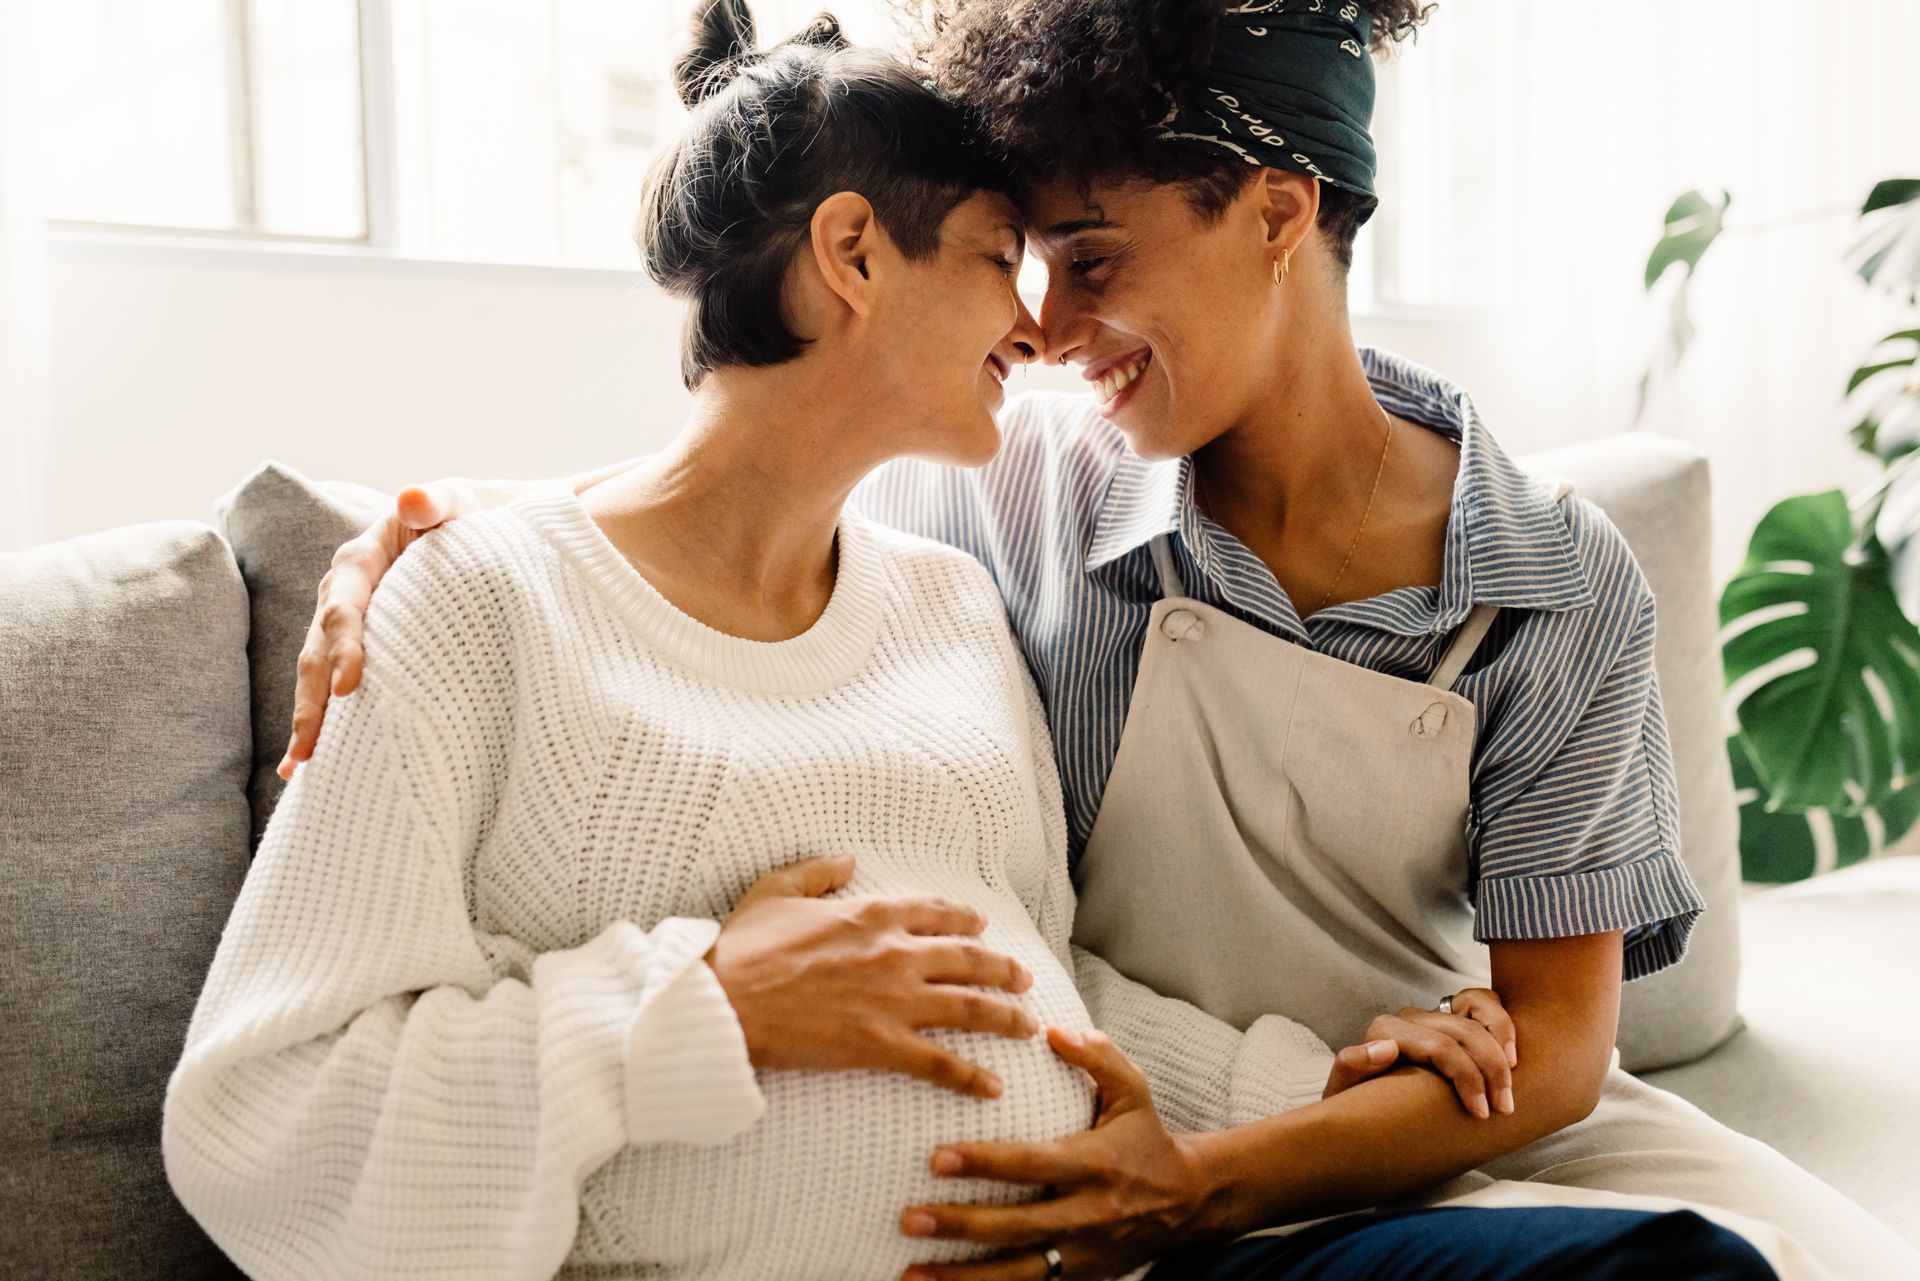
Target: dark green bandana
(1291, 87)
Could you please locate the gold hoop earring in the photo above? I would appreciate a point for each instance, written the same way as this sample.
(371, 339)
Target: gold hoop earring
(1276, 271)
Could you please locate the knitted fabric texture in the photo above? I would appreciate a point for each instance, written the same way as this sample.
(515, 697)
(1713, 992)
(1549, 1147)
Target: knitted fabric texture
(459, 1024)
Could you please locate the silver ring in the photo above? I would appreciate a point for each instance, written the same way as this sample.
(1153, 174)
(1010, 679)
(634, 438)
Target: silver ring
(1446, 1005)
(1056, 1267)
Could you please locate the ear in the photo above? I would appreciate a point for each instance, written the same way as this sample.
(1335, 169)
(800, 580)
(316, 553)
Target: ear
(845, 238)
(1289, 205)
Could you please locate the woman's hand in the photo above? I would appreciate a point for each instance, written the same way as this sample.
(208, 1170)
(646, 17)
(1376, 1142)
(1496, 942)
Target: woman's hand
(330, 661)
(1124, 1192)
(838, 984)
(1474, 1047)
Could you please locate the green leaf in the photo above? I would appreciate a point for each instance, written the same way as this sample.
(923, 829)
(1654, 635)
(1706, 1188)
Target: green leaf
(1887, 426)
(1865, 372)
(1822, 665)
(1778, 845)
(1887, 255)
(1692, 224)
(1890, 192)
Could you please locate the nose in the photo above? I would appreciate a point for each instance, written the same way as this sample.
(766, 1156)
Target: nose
(1059, 323)
(1025, 338)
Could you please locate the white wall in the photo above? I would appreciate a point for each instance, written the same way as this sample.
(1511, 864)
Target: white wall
(176, 369)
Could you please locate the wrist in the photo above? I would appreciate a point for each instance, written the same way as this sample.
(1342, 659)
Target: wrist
(1214, 1210)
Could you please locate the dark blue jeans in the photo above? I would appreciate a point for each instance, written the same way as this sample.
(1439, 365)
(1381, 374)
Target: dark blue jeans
(1532, 1244)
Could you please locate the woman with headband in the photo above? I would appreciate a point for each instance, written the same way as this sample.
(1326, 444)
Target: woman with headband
(1350, 712)
(533, 973)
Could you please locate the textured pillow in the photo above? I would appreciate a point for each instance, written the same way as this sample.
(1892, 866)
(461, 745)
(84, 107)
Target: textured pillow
(284, 529)
(1657, 492)
(123, 842)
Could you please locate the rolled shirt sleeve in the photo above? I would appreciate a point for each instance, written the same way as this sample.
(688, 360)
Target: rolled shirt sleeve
(1582, 836)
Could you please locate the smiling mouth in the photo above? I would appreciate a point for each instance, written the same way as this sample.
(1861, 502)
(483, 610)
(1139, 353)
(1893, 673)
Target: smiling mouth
(1117, 377)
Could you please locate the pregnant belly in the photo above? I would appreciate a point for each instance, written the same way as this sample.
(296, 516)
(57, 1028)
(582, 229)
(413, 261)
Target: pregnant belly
(815, 1189)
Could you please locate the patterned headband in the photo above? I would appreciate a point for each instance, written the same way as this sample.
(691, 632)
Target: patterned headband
(1291, 87)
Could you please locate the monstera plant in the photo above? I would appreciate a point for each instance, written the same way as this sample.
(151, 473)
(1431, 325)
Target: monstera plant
(1818, 625)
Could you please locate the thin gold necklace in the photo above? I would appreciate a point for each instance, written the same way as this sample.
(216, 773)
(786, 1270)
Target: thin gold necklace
(1200, 493)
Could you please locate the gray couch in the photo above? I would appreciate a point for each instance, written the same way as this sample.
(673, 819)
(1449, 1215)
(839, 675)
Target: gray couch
(145, 680)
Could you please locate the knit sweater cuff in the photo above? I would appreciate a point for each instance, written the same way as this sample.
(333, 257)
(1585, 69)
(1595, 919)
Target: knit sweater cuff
(1282, 1066)
(688, 1077)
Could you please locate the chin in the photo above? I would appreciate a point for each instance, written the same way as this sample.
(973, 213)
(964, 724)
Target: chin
(1153, 446)
(974, 440)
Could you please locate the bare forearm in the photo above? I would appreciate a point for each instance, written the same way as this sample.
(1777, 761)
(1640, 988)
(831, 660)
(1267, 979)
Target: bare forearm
(1389, 1137)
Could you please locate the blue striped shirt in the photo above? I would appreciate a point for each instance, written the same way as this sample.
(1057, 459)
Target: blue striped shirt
(1573, 823)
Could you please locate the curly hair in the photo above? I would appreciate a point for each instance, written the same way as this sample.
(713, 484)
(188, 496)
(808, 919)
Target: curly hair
(1076, 87)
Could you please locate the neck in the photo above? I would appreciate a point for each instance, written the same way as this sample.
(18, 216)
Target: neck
(1305, 457)
(747, 498)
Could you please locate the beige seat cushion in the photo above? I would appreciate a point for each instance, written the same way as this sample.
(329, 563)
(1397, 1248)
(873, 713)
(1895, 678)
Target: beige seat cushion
(1828, 1068)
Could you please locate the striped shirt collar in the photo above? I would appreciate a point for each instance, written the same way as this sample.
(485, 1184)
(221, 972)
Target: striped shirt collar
(1507, 544)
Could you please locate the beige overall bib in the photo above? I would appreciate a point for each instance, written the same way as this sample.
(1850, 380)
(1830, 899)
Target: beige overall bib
(1284, 832)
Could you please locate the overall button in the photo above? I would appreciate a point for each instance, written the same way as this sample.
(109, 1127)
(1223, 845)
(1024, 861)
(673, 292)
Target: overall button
(1182, 624)
(1430, 722)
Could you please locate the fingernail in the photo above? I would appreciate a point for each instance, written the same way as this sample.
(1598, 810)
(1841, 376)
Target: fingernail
(994, 1086)
(946, 1163)
(1505, 1100)
(339, 679)
(285, 766)
(920, 1225)
(1513, 1055)
(1479, 1105)
(1382, 1051)
(1071, 1037)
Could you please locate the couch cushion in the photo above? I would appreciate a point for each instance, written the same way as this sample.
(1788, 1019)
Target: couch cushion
(1656, 491)
(1825, 1068)
(284, 529)
(123, 841)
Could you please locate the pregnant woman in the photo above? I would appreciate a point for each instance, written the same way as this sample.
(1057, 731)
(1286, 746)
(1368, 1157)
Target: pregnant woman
(542, 967)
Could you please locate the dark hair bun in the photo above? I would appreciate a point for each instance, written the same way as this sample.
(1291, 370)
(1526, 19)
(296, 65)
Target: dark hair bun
(822, 33)
(723, 40)
(772, 133)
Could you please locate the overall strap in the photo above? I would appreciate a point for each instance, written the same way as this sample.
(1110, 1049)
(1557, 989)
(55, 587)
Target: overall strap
(1170, 584)
(1474, 630)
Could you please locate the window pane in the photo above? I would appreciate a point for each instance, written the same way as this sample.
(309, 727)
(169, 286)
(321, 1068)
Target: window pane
(1448, 127)
(309, 179)
(477, 147)
(153, 117)
(525, 129)
(135, 111)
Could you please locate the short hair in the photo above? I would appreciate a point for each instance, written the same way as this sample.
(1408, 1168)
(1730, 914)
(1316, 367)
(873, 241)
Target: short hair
(773, 133)
(1077, 89)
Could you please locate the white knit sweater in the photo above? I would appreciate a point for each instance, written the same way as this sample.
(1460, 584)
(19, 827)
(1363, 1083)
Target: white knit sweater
(458, 1024)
